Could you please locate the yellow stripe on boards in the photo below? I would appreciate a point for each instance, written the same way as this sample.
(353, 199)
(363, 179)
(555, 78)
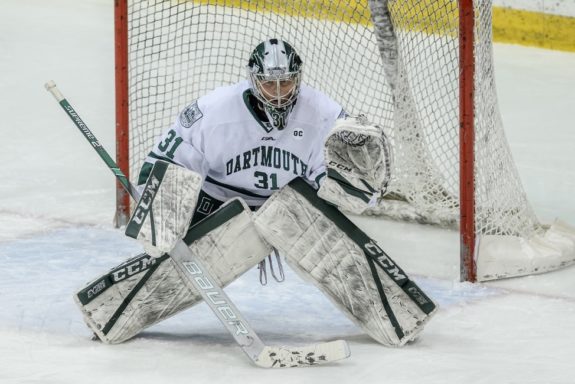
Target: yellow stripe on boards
(430, 16)
(534, 29)
(346, 11)
(439, 17)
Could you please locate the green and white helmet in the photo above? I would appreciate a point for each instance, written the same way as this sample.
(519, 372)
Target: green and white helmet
(274, 71)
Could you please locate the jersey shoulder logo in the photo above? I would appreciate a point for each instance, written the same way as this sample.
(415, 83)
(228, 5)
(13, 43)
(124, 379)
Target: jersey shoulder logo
(190, 115)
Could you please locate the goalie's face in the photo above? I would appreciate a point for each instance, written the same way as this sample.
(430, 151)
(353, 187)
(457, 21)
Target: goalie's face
(278, 92)
(275, 73)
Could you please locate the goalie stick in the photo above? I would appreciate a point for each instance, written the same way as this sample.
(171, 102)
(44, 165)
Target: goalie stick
(196, 274)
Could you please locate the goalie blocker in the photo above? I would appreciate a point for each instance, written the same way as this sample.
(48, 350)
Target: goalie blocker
(164, 212)
(326, 248)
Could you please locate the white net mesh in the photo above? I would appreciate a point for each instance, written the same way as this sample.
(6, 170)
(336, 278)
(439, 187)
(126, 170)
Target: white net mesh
(180, 50)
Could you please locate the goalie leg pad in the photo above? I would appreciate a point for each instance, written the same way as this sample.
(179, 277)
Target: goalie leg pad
(145, 290)
(323, 246)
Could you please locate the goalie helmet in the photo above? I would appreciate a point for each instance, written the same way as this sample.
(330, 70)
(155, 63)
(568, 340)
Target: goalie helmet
(274, 72)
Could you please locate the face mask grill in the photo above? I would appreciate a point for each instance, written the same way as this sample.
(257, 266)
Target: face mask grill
(276, 91)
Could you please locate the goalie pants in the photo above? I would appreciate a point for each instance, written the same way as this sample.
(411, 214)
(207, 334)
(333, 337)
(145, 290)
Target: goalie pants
(207, 205)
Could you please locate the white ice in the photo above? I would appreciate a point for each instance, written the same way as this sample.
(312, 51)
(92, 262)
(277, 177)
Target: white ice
(57, 203)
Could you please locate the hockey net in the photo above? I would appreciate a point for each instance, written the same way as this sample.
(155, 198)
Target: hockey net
(395, 61)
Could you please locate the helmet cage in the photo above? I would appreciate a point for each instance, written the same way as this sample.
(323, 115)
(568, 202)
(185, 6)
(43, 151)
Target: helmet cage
(276, 91)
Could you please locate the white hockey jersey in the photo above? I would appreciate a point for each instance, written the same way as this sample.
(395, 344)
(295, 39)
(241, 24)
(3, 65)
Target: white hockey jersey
(221, 137)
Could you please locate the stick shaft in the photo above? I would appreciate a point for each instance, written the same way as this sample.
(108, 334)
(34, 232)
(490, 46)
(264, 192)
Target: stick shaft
(83, 128)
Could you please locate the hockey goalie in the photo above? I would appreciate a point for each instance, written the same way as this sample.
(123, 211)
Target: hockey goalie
(265, 165)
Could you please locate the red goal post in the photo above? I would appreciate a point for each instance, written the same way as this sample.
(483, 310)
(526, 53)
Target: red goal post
(467, 265)
(122, 111)
(422, 69)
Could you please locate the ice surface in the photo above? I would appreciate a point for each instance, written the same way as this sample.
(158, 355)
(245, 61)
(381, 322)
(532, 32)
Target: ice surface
(56, 208)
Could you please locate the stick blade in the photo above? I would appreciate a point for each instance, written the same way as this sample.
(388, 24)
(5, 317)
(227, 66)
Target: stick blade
(287, 357)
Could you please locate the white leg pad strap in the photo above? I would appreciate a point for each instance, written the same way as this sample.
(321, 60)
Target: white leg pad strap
(323, 246)
(145, 290)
